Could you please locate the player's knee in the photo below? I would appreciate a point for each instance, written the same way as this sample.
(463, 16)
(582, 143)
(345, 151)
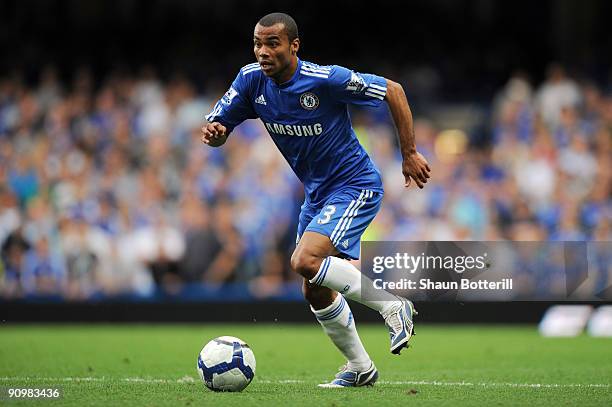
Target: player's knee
(304, 263)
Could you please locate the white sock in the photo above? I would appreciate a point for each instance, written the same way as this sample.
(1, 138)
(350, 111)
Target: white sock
(337, 322)
(340, 275)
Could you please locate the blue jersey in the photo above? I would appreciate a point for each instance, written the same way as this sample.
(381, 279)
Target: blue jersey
(308, 119)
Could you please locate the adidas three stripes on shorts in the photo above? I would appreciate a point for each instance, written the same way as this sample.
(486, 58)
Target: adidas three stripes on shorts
(343, 218)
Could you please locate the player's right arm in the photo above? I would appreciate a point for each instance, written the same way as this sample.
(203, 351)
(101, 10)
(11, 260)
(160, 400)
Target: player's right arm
(231, 110)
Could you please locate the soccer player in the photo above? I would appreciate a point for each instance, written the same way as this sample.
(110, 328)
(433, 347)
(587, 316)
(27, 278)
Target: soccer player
(303, 106)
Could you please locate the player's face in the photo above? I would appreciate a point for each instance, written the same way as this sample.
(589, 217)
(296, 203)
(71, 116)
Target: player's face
(273, 50)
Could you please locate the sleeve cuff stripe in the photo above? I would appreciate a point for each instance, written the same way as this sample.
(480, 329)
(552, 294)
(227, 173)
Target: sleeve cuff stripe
(376, 92)
(214, 113)
(375, 86)
(374, 95)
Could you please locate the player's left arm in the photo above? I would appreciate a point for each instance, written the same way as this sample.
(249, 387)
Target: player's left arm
(414, 165)
(360, 89)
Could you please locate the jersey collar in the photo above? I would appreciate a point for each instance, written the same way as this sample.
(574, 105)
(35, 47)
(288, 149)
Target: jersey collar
(291, 81)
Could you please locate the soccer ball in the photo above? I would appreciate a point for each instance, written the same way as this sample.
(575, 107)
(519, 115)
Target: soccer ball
(226, 364)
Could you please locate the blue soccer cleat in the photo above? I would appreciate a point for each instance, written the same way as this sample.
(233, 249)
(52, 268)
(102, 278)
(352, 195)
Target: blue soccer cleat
(348, 378)
(399, 322)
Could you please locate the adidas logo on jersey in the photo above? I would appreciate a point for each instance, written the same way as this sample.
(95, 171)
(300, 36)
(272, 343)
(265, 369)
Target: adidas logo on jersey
(261, 100)
(345, 244)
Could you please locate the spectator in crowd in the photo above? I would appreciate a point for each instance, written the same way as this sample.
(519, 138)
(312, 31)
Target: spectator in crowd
(14, 249)
(557, 92)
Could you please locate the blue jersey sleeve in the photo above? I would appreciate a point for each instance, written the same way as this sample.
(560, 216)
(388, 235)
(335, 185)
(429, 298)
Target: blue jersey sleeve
(234, 107)
(357, 88)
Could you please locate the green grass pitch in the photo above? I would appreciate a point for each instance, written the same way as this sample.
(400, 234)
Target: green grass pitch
(154, 365)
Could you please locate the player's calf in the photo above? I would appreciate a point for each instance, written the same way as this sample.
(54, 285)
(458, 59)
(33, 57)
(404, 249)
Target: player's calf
(318, 297)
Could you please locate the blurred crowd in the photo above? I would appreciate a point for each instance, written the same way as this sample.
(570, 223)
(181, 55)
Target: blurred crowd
(106, 189)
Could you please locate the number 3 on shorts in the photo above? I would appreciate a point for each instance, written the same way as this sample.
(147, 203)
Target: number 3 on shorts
(327, 213)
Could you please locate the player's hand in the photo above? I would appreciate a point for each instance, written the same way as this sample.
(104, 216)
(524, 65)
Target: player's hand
(415, 167)
(214, 134)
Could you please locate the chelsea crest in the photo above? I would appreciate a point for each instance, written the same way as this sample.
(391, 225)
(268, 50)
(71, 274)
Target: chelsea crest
(309, 101)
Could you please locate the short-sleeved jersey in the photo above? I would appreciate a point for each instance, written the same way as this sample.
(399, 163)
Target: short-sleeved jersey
(308, 120)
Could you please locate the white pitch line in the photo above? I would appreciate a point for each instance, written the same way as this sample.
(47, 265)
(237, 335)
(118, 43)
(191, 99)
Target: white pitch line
(191, 379)
(493, 384)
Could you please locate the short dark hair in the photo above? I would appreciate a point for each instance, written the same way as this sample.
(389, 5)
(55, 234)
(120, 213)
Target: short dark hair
(274, 18)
